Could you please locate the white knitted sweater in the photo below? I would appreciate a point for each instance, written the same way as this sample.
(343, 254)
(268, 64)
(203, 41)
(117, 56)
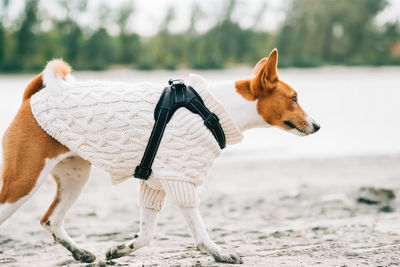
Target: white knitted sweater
(109, 124)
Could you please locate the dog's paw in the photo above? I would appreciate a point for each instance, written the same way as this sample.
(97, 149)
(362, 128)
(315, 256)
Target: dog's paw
(116, 252)
(83, 255)
(227, 258)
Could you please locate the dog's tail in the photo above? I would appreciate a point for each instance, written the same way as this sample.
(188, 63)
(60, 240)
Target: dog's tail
(53, 75)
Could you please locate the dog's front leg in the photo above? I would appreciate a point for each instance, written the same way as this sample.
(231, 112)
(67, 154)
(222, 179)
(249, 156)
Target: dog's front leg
(148, 223)
(202, 239)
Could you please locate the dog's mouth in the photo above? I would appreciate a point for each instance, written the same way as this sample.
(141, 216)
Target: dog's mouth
(294, 127)
(290, 124)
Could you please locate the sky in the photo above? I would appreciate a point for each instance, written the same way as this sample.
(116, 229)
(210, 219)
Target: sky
(149, 14)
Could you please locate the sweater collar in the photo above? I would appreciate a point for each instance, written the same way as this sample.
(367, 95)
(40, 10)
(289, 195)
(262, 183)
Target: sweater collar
(231, 131)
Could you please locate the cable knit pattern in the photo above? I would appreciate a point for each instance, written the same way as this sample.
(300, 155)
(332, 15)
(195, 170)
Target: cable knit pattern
(109, 124)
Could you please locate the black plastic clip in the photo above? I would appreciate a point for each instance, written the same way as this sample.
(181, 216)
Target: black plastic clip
(178, 87)
(142, 172)
(211, 120)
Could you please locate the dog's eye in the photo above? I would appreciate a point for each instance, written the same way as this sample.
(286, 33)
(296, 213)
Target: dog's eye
(294, 99)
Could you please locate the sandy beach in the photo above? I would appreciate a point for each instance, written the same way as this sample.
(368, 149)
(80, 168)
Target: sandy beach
(281, 201)
(273, 213)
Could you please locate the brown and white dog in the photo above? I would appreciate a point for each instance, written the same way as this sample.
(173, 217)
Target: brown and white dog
(30, 155)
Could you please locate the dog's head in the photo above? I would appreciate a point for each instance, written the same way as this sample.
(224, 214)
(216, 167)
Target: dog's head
(277, 102)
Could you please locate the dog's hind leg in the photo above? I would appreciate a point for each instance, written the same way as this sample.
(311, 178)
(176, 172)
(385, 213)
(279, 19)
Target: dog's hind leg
(71, 175)
(29, 154)
(19, 186)
(151, 201)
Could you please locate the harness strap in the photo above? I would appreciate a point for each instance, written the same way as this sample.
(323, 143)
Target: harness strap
(172, 98)
(211, 121)
(143, 171)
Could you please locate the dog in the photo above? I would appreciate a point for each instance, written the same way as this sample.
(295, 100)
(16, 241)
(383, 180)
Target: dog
(39, 142)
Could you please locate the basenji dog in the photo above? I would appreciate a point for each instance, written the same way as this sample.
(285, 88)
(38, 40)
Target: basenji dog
(30, 154)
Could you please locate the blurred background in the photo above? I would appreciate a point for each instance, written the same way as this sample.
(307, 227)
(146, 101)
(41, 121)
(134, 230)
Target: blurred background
(97, 35)
(276, 198)
(158, 40)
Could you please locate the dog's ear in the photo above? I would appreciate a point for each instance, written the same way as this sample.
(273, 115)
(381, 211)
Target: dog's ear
(243, 87)
(260, 64)
(270, 69)
(267, 76)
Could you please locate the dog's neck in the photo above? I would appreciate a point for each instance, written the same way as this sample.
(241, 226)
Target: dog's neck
(244, 112)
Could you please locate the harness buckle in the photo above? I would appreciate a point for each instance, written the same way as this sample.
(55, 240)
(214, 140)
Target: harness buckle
(142, 172)
(178, 87)
(176, 83)
(211, 120)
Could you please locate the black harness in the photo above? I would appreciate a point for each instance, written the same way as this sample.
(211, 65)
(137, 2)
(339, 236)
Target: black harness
(175, 96)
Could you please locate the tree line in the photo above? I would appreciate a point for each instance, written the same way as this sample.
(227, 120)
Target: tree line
(314, 33)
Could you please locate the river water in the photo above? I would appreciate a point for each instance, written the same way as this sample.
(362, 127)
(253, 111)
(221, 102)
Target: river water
(358, 109)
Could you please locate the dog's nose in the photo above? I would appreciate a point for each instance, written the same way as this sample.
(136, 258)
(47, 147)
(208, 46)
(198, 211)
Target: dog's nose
(316, 127)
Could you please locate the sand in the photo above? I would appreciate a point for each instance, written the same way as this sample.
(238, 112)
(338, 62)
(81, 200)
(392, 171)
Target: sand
(272, 213)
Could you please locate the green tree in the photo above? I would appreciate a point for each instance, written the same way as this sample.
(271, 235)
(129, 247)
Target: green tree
(2, 44)
(330, 31)
(129, 43)
(27, 43)
(100, 50)
(69, 34)
(315, 32)
(165, 50)
(227, 43)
